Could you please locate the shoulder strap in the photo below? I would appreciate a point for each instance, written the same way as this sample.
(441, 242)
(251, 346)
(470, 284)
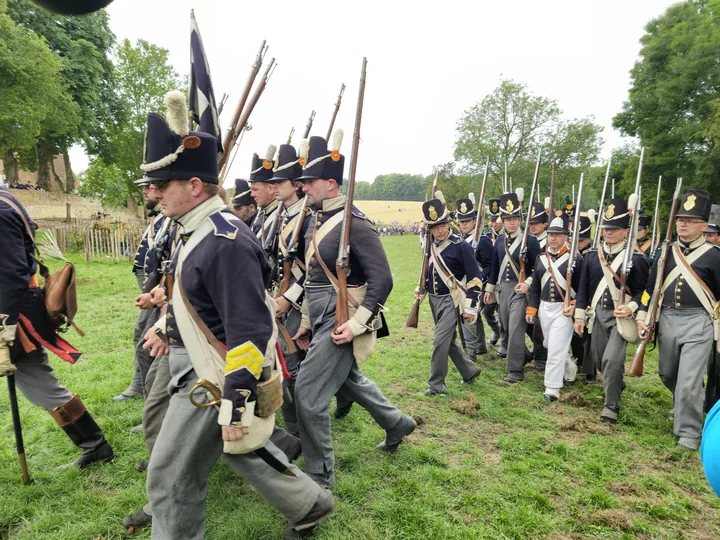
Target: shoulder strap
(612, 271)
(710, 300)
(328, 273)
(554, 277)
(212, 340)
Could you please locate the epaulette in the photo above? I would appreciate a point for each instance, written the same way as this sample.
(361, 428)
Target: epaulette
(359, 214)
(454, 239)
(223, 226)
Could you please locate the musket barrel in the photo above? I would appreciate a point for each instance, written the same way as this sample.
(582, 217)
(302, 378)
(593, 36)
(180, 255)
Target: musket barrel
(601, 209)
(335, 111)
(480, 216)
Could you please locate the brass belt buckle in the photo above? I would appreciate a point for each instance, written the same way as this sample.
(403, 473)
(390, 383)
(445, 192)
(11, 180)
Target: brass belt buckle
(211, 388)
(716, 311)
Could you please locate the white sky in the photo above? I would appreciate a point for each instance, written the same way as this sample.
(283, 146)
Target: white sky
(427, 63)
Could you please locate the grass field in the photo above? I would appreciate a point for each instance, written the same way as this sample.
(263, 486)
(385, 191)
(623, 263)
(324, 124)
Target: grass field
(488, 462)
(387, 212)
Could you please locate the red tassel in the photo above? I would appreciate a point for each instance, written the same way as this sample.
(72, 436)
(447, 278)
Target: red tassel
(285, 372)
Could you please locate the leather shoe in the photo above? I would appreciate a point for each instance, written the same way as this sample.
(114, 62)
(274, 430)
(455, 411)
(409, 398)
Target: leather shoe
(103, 454)
(395, 436)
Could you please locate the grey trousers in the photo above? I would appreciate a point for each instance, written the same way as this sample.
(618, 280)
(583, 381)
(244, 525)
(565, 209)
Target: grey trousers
(292, 361)
(141, 365)
(512, 317)
(686, 341)
(607, 347)
(475, 334)
(157, 400)
(326, 370)
(187, 448)
(489, 312)
(446, 344)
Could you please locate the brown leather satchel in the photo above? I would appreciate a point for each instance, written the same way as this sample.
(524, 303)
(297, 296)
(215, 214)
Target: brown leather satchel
(60, 293)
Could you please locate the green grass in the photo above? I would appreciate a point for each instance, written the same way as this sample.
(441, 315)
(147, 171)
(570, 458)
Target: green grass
(518, 468)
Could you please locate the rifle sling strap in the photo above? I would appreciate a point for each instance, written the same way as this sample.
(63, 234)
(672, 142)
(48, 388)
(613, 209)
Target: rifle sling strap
(328, 273)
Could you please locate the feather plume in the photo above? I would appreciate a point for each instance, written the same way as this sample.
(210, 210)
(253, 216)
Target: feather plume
(270, 154)
(547, 202)
(520, 192)
(633, 202)
(303, 149)
(568, 199)
(177, 114)
(337, 139)
(592, 214)
(48, 246)
(440, 197)
(471, 196)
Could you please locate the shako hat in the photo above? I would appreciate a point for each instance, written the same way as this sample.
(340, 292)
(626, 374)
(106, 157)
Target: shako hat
(172, 152)
(261, 170)
(287, 164)
(559, 224)
(494, 208)
(616, 215)
(435, 211)
(644, 221)
(510, 204)
(569, 207)
(695, 203)
(465, 209)
(586, 223)
(539, 213)
(242, 195)
(714, 221)
(323, 163)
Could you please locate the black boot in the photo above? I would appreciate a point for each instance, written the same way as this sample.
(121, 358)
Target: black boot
(342, 407)
(286, 443)
(321, 510)
(82, 429)
(137, 521)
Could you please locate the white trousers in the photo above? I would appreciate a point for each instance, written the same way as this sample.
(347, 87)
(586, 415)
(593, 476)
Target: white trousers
(558, 331)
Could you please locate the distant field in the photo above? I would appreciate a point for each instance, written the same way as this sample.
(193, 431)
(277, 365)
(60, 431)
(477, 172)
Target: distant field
(389, 211)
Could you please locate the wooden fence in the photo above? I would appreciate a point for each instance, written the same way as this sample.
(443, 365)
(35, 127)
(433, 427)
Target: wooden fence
(117, 243)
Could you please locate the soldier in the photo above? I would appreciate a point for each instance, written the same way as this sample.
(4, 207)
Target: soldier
(142, 266)
(26, 331)
(331, 364)
(504, 281)
(537, 225)
(484, 253)
(579, 344)
(467, 219)
(264, 193)
(597, 294)
(219, 326)
(688, 323)
(243, 204)
(712, 231)
(453, 283)
(644, 240)
(547, 296)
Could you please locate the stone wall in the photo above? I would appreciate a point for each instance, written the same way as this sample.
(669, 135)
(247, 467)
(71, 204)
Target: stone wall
(45, 205)
(30, 178)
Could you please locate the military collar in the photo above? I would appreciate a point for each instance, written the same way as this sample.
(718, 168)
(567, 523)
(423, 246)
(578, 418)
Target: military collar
(451, 239)
(332, 204)
(699, 241)
(192, 220)
(617, 248)
(512, 236)
(157, 209)
(270, 208)
(294, 208)
(541, 236)
(560, 253)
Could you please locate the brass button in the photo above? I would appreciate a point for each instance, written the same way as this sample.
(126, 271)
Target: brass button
(677, 305)
(242, 409)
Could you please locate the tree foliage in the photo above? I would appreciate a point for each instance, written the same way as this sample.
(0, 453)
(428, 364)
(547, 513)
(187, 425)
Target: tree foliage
(673, 105)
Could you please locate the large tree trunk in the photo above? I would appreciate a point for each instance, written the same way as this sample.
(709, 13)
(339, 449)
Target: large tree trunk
(69, 176)
(44, 157)
(55, 174)
(10, 168)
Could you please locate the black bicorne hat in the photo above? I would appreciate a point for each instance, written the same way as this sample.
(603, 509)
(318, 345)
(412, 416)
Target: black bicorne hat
(695, 203)
(287, 164)
(174, 153)
(510, 205)
(616, 215)
(242, 195)
(261, 170)
(644, 221)
(539, 213)
(494, 207)
(559, 223)
(465, 210)
(323, 163)
(435, 211)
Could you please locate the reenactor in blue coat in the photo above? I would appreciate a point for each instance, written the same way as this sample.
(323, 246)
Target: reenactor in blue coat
(712, 231)
(538, 228)
(644, 238)
(483, 252)
(243, 204)
(504, 281)
(688, 326)
(454, 285)
(598, 302)
(264, 193)
(26, 333)
(579, 344)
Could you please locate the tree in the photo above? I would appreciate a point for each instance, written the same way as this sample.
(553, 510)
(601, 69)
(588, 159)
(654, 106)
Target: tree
(510, 126)
(30, 86)
(673, 105)
(80, 116)
(142, 77)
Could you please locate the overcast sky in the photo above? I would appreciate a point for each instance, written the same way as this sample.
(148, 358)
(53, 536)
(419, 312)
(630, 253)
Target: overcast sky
(427, 63)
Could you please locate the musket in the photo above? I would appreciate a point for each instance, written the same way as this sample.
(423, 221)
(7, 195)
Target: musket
(160, 252)
(526, 232)
(480, 218)
(309, 125)
(634, 207)
(412, 320)
(231, 136)
(572, 261)
(292, 132)
(434, 184)
(292, 248)
(342, 265)
(655, 227)
(573, 194)
(637, 366)
(243, 122)
(17, 427)
(601, 210)
(222, 103)
(335, 112)
(505, 179)
(551, 208)
(612, 193)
